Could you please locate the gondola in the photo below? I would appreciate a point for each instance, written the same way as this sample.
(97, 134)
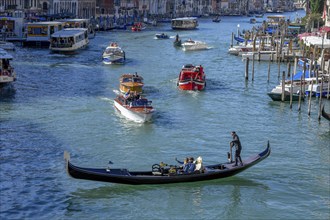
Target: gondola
(160, 173)
(325, 115)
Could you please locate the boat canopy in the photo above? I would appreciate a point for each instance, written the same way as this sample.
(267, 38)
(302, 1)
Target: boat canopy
(69, 32)
(299, 74)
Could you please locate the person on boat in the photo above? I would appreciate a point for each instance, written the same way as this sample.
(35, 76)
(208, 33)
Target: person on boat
(185, 165)
(236, 142)
(199, 166)
(127, 94)
(177, 38)
(192, 165)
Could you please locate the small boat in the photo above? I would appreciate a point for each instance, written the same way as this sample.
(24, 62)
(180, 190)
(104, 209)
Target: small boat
(162, 36)
(134, 107)
(69, 40)
(276, 95)
(137, 27)
(7, 72)
(7, 45)
(325, 114)
(113, 54)
(190, 45)
(216, 19)
(177, 41)
(162, 173)
(259, 15)
(192, 78)
(253, 20)
(131, 82)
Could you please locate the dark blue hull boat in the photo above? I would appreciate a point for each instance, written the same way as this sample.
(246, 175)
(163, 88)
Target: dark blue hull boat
(162, 175)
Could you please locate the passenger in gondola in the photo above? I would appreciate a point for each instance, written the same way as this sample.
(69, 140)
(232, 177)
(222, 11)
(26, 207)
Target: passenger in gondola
(185, 165)
(199, 166)
(192, 165)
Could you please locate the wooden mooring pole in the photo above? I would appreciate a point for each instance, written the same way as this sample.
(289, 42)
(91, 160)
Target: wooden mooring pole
(283, 87)
(247, 69)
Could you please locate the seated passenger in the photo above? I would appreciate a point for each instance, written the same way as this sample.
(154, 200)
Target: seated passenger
(199, 166)
(191, 165)
(185, 164)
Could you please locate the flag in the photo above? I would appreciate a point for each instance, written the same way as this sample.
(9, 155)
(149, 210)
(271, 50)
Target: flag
(324, 15)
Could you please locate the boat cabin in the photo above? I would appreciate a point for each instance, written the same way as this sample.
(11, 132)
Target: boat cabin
(190, 71)
(186, 23)
(69, 39)
(7, 73)
(39, 33)
(80, 23)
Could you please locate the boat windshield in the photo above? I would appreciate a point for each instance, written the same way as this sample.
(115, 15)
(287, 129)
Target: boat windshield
(141, 102)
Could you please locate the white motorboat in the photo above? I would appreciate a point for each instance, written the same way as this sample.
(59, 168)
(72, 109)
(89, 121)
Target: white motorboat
(113, 54)
(7, 45)
(7, 72)
(135, 108)
(194, 45)
(69, 40)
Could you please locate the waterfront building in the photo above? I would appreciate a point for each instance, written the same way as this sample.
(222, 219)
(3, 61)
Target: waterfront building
(79, 8)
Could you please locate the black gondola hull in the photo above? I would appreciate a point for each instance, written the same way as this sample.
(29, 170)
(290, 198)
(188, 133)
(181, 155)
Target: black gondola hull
(124, 176)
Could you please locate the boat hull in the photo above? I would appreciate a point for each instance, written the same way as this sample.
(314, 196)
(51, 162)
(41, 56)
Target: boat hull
(113, 60)
(124, 176)
(191, 85)
(278, 96)
(137, 114)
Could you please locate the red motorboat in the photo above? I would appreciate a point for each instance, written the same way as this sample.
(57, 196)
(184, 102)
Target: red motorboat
(192, 78)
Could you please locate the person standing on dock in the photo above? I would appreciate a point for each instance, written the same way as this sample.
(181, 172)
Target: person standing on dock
(236, 142)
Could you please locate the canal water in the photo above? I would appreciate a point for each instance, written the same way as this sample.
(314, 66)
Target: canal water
(65, 103)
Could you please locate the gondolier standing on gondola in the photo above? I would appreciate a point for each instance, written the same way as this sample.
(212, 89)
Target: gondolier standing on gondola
(235, 142)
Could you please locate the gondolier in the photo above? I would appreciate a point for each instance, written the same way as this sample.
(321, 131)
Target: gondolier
(236, 142)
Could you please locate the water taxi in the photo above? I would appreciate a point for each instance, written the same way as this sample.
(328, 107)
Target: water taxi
(7, 72)
(192, 78)
(69, 40)
(186, 23)
(131, 82)
(113, 54)
(134, 107)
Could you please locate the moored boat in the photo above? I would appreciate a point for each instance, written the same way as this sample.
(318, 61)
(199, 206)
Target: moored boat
(190, 45)
(69, 40)
(113, 54)
(325, 114)
(276, 95)
(7, 45)
(134, 107)
(7, 72)
(131, 82)
(192, 78)
(162, 173)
